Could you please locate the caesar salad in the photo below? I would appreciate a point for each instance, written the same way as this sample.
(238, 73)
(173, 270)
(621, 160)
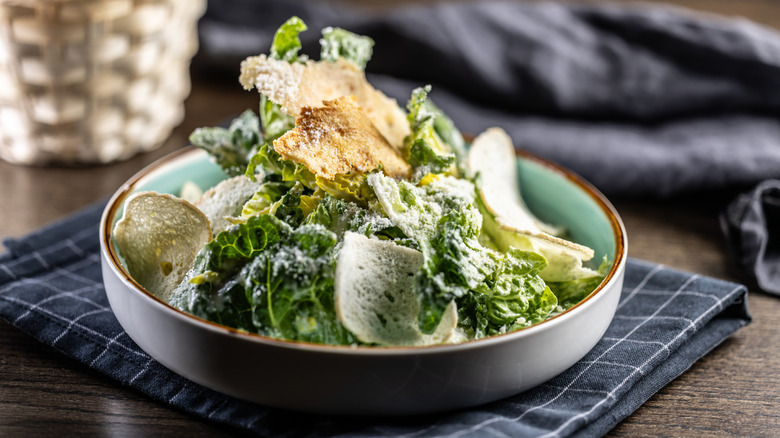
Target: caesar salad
(346, 219)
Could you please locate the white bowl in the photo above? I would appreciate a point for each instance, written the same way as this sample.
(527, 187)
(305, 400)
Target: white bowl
(365, 380)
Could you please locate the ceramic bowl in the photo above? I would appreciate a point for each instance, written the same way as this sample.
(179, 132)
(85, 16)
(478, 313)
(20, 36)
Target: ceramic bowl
(364, 380)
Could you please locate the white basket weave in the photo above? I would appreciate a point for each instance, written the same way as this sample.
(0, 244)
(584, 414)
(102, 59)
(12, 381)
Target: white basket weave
(92, 81)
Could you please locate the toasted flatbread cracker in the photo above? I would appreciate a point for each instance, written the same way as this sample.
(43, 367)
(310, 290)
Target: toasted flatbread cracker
(338, 138)
(374, 298)
(295, 86)
(509, 222)
(158, 237)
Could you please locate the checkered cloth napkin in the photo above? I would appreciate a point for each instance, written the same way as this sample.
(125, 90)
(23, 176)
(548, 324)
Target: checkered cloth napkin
(51, 288)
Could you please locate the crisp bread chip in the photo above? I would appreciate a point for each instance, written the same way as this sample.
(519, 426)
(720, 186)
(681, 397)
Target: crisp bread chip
(158, 237)
(492, 157)
(295, 86)
(338, 138)
(374, 296)
(226, 200)
(190, 192)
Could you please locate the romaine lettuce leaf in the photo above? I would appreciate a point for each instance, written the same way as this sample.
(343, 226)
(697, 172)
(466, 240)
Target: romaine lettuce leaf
(209, 289)
(288, 201)
(277, 168)
(341, 216)
(287, 42)
(337, 42)
(291, 288)
(425, 148)
(426, 151)
(454, 264)
(448, 132)
(265, 277)
(270, 193)
(231, 148)
(351, 187)
(572, 292)
(442, 218)
(288, 207)
(275, 122)
(285, 47)
(512, 297)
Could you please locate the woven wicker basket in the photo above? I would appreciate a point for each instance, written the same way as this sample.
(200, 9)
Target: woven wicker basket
(92, 81)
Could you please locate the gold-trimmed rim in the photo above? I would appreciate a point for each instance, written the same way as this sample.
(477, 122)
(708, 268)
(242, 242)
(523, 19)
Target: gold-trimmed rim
(118, 199)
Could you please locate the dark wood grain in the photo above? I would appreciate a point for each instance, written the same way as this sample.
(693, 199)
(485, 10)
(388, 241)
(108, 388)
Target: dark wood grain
(733, 391)
(42, 391)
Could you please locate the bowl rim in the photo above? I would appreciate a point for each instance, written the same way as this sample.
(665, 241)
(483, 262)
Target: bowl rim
(109, 254)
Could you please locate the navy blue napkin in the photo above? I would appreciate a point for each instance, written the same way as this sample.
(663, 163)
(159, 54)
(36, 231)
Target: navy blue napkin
(51, 288)
(640, 100)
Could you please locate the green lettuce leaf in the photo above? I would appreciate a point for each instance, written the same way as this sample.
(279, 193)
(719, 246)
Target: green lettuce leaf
(513, 297)
(287, 42)
(448, 132)
(572, 292)
(351, 187)
(231, 148)
(495, 291)
(275, 122)
(337, 42)
(285, 47)
(340, 216)
(270, 193)
(426, 151)
(454, 264)
(209, 290)
(444, 221)
(288, 207)
(266, 277)
(276, 167)
(291, 288)
(289, 202)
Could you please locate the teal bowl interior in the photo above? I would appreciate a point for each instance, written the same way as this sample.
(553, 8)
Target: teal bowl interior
(200, 170)
(560, 198)
(554, 194)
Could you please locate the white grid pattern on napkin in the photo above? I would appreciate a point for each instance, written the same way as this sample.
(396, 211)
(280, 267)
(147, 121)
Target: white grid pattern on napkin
(59, 286)
(485, 426)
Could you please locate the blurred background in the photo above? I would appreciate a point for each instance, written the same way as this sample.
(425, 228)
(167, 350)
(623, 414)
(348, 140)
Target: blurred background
(213, 96)
(668, 225)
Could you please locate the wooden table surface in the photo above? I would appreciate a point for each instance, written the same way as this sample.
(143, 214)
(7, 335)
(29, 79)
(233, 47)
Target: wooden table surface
(733, 391)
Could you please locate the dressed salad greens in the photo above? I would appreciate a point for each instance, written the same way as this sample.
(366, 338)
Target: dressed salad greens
(346, 219)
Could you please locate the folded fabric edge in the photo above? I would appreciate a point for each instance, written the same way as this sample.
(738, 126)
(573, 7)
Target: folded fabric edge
(733, 317)
(746, 225)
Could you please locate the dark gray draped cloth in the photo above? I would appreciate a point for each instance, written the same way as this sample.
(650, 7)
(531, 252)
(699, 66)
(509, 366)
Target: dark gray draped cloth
(642, 101)
(752, 225)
